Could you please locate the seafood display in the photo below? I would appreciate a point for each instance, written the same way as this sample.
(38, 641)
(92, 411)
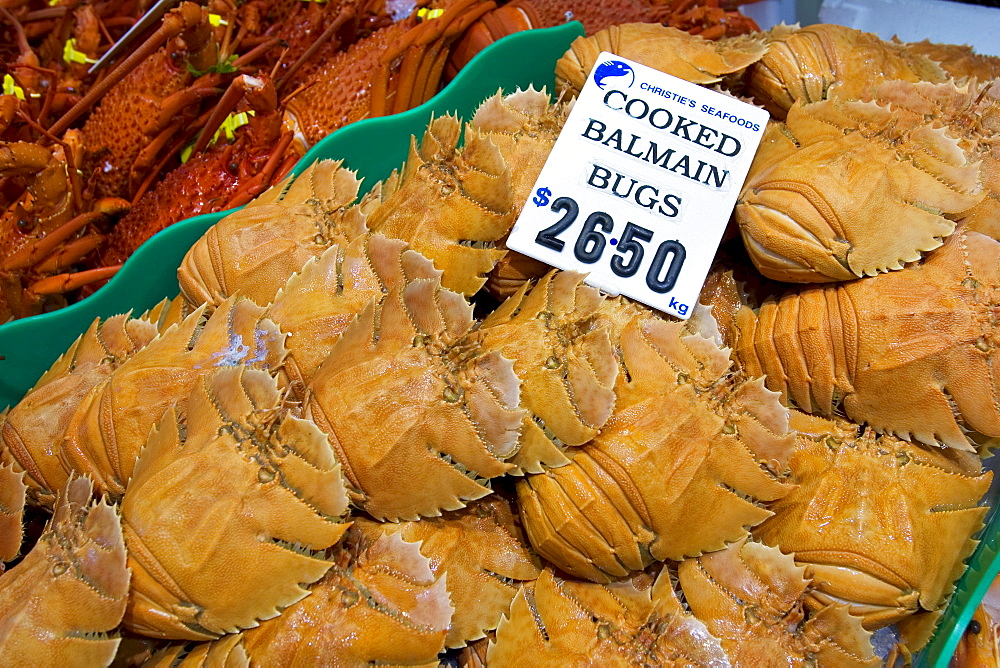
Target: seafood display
(523, 126)
(481, 579)
(562, 351)
(62, 602)
(863, 167)
(365, 433)
(376, 590)
(682, 466)
(555, 621)
(406, 372)
(212, 107)
(751, 597)
(819, 521)
(930, 339)
(291, 503)
(813, 63)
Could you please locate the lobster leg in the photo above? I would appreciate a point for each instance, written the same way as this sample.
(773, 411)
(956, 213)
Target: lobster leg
(71, 253)
(164, 157)
(278, 162)
(148, 156)
(23, 158)
(260, 90)
(417, 64)
(345, 15)
(174, 104)
(24, 301)
(62, 283)
(36, 251)
(382, 80)
(411, 55)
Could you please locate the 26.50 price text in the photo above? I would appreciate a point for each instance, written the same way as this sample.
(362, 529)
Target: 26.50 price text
(598, 232)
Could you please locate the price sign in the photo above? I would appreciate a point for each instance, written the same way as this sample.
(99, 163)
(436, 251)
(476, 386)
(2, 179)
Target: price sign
(641, 183)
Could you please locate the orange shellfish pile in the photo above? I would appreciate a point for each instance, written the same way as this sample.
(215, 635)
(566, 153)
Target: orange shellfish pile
(370, 435)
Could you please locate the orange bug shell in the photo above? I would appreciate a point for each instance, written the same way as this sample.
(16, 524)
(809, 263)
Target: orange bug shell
(910, 352)
(42, 417)
(969, 112)
(484, 553)
(319, 302)
(524, 126)
(856, 495)
(255, 250)
(418, 412)
(958, 60)
(450, 204)
(234, 483)
(13, 495)
(226, 652)
(732, 283)
(512, 271)
(843, 189)
(682, 421)
(563, 354)
(111, 424)
(473, 655)
(812, 63)
(58, 605)
(678, 53)
(751, 597)
(985, 216)
(379, 603)
(31, 430)
(556, 621)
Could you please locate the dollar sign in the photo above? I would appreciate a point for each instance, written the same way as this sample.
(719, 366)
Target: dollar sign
(542, 198)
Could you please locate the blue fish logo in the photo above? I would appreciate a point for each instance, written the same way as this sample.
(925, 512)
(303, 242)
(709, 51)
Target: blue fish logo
(612, 68)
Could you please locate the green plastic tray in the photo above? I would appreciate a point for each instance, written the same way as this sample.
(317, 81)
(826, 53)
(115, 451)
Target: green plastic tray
(374, 148)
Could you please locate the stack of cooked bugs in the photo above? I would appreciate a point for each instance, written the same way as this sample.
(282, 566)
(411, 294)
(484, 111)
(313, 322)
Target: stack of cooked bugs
(367, 434)
(212, 105)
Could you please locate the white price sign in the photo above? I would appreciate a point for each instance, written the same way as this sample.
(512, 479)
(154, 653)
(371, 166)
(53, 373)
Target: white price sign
(641, 183)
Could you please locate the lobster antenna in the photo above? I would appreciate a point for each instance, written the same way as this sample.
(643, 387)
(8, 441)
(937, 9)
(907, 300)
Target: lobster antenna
(345, 14)
(278, 63)
(152, 15)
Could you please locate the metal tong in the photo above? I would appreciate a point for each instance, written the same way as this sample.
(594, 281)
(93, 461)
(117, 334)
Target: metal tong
(154, 14)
